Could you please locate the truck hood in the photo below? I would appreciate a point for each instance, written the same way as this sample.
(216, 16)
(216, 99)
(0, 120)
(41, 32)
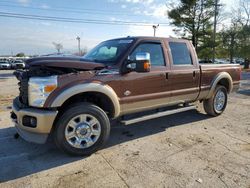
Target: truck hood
(65, 62)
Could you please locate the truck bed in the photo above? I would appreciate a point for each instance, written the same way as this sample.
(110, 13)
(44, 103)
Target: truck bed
(209, 72)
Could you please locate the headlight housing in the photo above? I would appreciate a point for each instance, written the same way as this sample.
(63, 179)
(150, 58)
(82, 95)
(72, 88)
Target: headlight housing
(40, 88)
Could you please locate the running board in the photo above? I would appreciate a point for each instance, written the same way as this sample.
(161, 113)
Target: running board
(157, 115)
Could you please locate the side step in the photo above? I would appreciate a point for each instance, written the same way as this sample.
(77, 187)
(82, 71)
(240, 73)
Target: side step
(156, 115)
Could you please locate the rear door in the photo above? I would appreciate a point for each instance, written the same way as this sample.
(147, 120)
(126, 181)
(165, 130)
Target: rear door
(184, 76)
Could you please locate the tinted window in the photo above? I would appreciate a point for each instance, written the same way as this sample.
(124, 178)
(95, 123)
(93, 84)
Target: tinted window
(180, 53)
(155, 50)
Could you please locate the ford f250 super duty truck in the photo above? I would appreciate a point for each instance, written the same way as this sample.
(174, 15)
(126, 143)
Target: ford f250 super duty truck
(73, 99)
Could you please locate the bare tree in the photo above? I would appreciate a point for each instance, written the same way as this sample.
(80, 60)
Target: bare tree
(245, 8)
(58, 46)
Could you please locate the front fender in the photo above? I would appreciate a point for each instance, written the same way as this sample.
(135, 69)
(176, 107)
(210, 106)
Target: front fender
(88, 87)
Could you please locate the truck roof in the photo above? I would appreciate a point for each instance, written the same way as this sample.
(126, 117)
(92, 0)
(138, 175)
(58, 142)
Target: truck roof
(149, 38)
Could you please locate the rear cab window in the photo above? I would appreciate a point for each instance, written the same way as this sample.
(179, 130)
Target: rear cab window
(180, 53)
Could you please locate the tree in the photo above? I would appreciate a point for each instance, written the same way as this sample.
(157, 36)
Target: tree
(244, 34)
(21, 54)
(193, 20)
(229, 38)
(58, 46)
(235, 39)
(244, 40)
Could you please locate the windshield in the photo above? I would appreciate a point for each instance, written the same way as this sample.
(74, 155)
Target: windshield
(108, 51)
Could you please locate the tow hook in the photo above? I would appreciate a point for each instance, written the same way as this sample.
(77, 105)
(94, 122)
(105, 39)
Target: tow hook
(16, 135)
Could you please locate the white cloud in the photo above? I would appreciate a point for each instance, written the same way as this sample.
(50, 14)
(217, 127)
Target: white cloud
(146, 2)
(162, 31)
(140, 1)
(229, 4)
(158, 11)
(124, 6)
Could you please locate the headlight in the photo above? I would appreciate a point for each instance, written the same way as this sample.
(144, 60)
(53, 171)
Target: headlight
(40, 88)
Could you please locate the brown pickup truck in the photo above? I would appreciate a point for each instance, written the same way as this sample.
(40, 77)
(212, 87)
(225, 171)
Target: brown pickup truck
(75, 98)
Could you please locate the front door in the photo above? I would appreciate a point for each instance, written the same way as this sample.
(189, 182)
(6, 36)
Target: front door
(149, 90)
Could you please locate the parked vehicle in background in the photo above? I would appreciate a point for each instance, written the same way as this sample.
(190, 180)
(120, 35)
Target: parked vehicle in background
(205, 61)
(74, 99)
(18, 64)
(221, 61)
(5, 65)
(240, 61)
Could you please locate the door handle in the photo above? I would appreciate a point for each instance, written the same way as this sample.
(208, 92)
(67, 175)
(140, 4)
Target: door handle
(194, 74)
(167, 76)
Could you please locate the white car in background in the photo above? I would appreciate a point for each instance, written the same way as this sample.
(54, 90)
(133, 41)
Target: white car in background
(18, 64)
(5, 65)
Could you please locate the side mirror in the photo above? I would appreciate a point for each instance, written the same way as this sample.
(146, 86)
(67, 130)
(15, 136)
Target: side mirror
(141, 62)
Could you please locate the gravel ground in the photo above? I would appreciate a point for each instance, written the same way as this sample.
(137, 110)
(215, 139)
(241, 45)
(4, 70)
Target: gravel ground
(188, 149)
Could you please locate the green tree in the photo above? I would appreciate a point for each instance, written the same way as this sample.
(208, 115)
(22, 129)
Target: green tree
(244, 41)
(229, 39)
(21, 54)
(193, 21)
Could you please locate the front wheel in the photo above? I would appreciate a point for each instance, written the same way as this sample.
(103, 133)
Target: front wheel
(215, 105)
(82, 129)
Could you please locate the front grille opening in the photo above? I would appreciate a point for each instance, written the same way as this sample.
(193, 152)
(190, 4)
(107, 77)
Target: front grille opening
(23, 88)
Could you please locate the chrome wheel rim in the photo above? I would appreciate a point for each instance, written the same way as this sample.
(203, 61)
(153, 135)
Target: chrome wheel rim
(219, 101)
(83, 131)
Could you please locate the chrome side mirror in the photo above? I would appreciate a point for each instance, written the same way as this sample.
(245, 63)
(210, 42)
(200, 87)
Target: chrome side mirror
(142, 56)
(141, 63)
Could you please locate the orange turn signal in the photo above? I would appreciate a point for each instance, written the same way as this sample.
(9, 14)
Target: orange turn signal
(49, 88)
(146, 65)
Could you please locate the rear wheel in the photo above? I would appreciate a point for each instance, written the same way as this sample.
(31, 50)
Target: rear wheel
(217, 103)
(82, 129)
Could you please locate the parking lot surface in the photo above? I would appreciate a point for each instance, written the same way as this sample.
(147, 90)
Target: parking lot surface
(188, 149)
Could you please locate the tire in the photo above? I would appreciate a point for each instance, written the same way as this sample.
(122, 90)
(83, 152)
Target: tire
(86, 127)
(210, 104)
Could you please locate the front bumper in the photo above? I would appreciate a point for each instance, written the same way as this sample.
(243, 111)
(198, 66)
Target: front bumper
(5, 67)
(44, 122)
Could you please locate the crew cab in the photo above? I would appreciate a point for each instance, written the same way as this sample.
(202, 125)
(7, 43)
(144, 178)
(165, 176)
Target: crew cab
(74, 99)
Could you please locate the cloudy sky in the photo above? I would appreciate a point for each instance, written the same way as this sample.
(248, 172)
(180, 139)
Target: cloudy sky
(33, 36)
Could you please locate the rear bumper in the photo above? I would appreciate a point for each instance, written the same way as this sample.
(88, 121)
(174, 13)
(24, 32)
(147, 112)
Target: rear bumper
(44, 122)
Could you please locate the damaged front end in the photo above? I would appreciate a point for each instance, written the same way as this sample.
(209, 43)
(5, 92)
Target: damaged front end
(48, 67)
(33, 121)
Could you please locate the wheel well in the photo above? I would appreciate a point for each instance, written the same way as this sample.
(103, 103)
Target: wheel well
(225, 82)
(99, 99)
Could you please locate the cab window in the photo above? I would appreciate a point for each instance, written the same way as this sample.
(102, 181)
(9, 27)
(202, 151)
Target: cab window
(180, 53)
(155, 51)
